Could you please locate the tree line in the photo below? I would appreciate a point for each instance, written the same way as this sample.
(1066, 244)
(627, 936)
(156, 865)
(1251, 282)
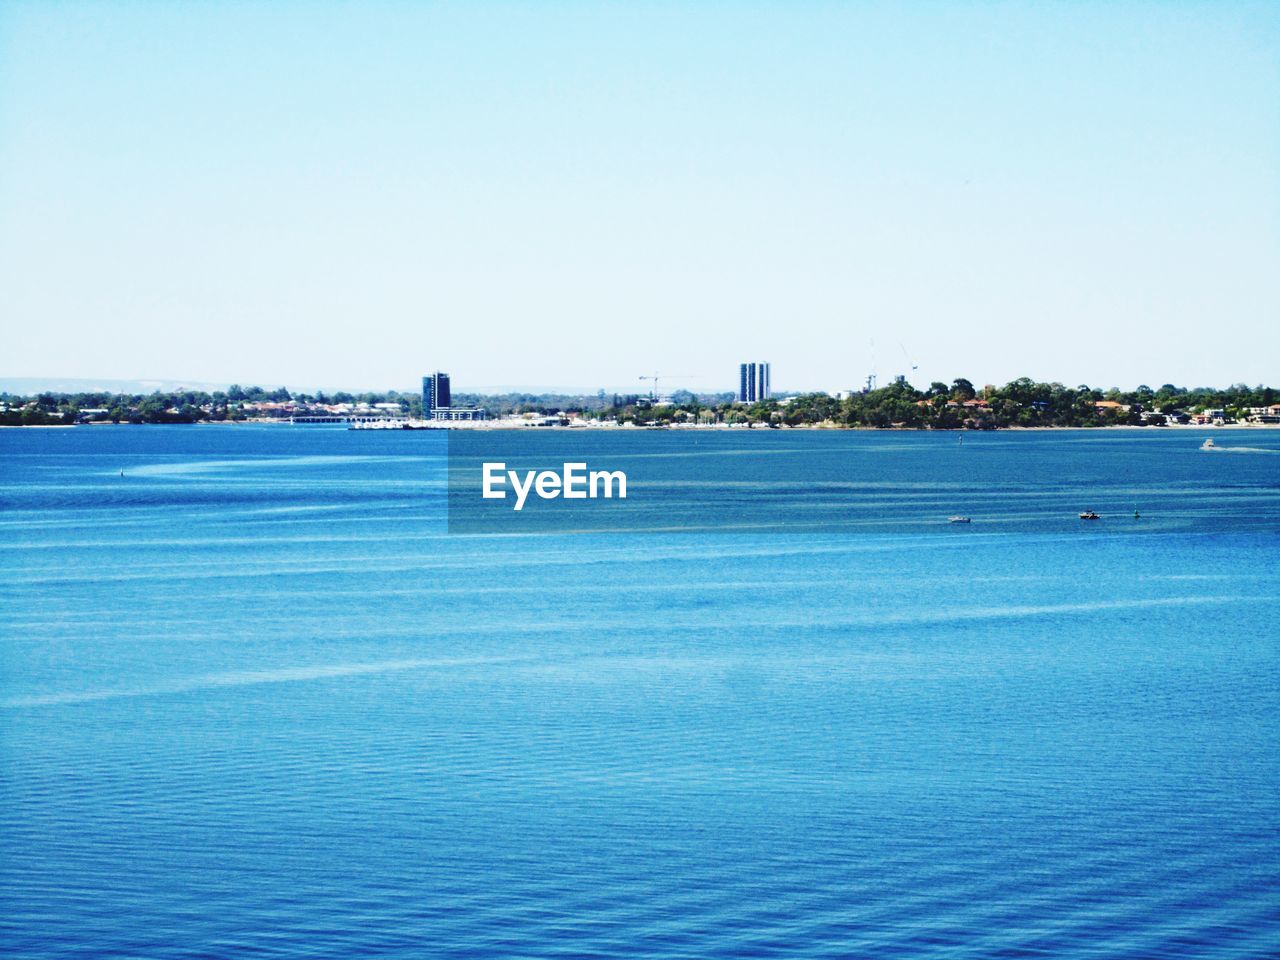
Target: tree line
(958, 405)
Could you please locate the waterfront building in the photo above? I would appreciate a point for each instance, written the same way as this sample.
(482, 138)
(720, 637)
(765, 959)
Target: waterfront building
(457, 413)
(437, 403)
(753, 382)
(435, 393)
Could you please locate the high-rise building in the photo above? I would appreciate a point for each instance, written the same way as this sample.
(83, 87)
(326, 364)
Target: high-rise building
(753, 382)
(435, 394)
(437, 403)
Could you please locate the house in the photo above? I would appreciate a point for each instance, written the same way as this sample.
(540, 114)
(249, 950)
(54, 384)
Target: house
(1212, 415)
(1269, 414)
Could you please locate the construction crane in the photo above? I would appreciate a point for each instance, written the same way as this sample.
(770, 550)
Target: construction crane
(654, 378)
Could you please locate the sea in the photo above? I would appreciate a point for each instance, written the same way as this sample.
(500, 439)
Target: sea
(260, 699)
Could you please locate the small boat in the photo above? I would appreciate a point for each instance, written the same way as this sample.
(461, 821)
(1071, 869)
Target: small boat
(1089, 515)
(1207, 445)
(958, 520)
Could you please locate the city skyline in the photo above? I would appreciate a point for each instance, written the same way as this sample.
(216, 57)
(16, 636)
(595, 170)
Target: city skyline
(26, 386)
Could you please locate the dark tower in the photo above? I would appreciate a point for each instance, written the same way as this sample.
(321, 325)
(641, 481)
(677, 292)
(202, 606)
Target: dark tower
(435, 393)
(746, 383)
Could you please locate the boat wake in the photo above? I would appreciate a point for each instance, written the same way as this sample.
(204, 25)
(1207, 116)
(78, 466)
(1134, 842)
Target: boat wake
(1217, 449)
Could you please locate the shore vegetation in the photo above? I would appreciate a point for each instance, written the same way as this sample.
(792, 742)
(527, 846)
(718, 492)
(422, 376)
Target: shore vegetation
(958, 405)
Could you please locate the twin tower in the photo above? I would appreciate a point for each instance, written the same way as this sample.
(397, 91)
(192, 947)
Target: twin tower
(753, 382)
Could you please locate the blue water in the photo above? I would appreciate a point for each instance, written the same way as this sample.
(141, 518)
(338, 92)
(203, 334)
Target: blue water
(255, 701)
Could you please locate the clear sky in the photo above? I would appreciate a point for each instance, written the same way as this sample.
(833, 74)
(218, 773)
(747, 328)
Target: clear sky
(574, 194)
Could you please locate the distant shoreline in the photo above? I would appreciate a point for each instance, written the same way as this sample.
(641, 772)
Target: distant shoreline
(590, 426)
